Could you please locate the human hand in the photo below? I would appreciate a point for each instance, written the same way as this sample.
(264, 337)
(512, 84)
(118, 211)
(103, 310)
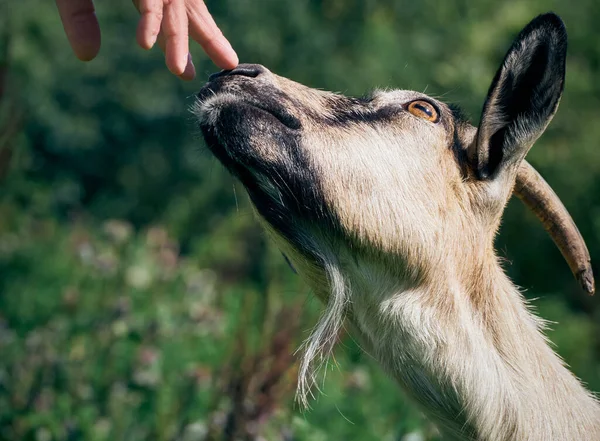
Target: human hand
(168, 22)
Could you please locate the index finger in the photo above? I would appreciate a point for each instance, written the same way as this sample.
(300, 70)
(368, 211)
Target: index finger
(204, 30)
(81, 26)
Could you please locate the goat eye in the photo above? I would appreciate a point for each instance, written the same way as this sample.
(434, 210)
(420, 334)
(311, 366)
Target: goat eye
(424, 110)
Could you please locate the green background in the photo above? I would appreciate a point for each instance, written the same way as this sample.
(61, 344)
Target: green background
(139, 300)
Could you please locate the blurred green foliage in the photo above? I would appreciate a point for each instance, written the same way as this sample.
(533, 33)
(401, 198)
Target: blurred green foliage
(138, 297)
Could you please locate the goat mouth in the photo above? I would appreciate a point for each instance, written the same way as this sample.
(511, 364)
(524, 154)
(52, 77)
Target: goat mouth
(246, 135)
(280, 114)
(219, 93)
(246, 126)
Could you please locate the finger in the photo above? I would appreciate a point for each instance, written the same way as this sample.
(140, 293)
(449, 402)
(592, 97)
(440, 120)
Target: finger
(205, 31)
(81, 26)
(175, 30)
(190, 70)
(151, 12)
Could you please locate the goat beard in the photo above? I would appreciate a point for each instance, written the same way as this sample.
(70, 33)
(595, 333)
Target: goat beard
(318, 347)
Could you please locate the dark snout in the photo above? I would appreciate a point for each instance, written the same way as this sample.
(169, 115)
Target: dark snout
(239, 75)
(252, 127)
(250, 85)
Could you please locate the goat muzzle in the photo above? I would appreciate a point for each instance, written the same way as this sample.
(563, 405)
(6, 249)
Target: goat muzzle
(539, 197)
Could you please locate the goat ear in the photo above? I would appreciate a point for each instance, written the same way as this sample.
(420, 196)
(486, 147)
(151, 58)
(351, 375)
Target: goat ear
(523, 97)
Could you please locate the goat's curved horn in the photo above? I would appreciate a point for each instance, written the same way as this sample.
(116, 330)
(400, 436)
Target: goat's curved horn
(536, 194)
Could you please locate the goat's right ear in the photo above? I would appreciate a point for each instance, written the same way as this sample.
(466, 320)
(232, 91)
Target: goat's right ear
(522, 99)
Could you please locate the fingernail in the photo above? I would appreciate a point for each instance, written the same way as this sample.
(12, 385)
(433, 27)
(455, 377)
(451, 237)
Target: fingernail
(190, 70)
(153, 40)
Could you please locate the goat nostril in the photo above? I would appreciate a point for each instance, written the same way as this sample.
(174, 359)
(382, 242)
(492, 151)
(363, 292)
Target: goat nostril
(216, 75)
(246, 70)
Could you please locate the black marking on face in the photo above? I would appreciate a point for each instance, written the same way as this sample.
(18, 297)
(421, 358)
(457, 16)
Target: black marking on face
(343, 118)
(460, 150)
(348, 110)
(457, 125)
(458, 114)
(297, 196)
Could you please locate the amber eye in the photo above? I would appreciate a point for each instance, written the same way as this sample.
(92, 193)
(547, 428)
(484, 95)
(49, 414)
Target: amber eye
(424, 110)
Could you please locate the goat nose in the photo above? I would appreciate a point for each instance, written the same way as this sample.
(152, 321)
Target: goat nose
(246, 70)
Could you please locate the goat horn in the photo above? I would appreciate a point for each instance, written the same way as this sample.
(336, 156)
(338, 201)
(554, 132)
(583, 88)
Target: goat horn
(537, 195)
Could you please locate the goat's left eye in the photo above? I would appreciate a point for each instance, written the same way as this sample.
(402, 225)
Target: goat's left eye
(423, 109)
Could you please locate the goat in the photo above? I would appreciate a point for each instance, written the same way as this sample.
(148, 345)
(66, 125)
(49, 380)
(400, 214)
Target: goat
(388, 207)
